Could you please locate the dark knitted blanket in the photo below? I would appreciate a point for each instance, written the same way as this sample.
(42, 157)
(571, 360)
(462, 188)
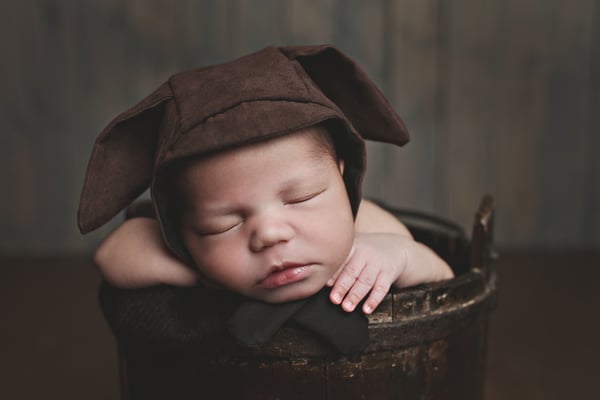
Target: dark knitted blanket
(166, 317)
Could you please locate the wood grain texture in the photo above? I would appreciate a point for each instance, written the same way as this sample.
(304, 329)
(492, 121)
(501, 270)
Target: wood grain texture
(516, 116)
(500, 97)
(409, 78)
(591, 222)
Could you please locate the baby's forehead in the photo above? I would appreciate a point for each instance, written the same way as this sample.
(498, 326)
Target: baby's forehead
(315, 143)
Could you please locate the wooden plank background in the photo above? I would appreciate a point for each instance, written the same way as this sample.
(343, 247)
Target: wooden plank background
(501, 97)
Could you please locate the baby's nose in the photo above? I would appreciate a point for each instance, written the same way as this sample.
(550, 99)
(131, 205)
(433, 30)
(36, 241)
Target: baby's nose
(268, 232)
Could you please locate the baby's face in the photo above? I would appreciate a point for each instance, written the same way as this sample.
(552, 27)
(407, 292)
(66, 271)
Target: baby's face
(271, 221)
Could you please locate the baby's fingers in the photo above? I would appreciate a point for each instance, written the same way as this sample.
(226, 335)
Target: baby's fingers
(363, 284)
(337, 273)
(379, 291)
(346, 279)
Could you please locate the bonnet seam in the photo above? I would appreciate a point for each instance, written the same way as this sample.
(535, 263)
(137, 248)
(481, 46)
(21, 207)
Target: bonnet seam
(223, 111)
(175, 101)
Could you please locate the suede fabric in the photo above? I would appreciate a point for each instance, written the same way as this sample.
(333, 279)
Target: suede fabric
(254, 322)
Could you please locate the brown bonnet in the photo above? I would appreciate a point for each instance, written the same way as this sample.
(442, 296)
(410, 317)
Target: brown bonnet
(269, 93)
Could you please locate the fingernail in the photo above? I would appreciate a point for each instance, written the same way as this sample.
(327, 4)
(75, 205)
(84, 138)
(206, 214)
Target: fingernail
(337, 298)
(367, 309)
(348, 306)
(330, 282)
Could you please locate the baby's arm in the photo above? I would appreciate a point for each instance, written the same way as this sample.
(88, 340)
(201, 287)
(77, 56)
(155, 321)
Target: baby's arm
(384, 254)
(134, 255)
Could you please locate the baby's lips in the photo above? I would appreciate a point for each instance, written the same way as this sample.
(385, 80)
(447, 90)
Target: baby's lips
(282, 277)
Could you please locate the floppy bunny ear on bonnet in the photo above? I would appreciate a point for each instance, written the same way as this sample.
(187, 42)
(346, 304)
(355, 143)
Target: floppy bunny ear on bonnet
(272, 92)
(121, 165)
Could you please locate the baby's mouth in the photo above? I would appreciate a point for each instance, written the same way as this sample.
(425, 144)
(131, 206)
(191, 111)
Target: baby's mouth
(284, 274)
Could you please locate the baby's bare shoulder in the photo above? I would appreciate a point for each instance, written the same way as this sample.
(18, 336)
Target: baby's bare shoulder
(373, 218)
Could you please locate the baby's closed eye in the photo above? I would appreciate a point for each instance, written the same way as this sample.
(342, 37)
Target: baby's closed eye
(216, 226)
(301, 198)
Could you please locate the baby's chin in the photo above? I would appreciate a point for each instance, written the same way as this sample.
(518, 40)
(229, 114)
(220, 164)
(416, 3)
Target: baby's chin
(291, 292)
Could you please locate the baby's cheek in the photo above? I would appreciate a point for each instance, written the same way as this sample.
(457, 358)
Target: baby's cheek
(342, 235)
(227, 265)
(214, 262)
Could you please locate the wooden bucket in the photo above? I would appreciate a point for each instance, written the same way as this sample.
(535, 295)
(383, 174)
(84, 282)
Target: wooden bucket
(426, 342)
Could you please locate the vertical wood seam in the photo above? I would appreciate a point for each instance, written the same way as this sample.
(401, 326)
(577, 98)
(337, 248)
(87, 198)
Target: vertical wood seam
(589, 229)
(442, 74)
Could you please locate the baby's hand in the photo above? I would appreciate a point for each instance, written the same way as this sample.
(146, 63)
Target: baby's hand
(375, 262)
(378, 261)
